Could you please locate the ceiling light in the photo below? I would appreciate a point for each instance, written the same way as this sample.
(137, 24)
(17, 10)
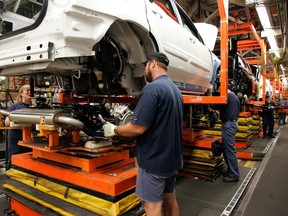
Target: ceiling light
(266, 24)
(263, 16)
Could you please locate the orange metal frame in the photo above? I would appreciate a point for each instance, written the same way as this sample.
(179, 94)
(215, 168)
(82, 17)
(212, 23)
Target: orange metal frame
(222, 99)
(225, 32)
(242, 144)
(111, 180)
(87, 165)
(69, 166)
(206, 141)
(23, 210)
(189, 135)
(257, 43)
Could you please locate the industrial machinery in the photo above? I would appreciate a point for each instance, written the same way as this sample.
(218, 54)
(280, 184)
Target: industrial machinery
(103, 44)
(96, 50)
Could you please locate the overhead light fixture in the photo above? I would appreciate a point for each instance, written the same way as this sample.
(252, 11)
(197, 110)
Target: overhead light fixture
(266, 24)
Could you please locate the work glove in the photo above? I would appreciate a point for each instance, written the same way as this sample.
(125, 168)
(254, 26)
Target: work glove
(109, 129)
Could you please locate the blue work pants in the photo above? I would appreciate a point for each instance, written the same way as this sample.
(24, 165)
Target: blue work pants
(229, 129)
(268, 121)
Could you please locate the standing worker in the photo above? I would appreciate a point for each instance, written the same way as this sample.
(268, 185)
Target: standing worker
(23, 100)
(229, 114)
(268, 118)
(157, 126)
(282, 115)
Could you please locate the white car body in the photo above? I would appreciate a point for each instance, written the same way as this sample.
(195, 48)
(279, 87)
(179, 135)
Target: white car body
(69, 38)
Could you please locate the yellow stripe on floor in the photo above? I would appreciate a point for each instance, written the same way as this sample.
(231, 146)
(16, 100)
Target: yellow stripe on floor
(249, 164)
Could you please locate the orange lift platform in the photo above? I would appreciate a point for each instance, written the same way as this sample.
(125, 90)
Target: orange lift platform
(107, 174)
(108, 170)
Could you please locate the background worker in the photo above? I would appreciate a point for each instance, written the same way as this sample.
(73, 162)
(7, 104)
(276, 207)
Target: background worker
(268, 118)
(23, 100)
(282, 115)
(229, 114)
(157, 126)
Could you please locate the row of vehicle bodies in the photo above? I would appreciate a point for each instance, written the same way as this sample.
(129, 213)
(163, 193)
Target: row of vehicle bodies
(105, 42)
(99, 47)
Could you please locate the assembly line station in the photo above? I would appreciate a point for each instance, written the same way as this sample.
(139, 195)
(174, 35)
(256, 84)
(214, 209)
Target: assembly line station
(61, 176)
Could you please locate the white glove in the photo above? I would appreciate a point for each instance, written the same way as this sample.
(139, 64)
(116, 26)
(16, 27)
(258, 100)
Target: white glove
(109, 129)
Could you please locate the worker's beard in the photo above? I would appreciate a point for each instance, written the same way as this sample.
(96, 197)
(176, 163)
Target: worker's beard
(149, 76)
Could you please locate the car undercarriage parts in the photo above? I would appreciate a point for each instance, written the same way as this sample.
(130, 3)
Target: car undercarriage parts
(57, 117)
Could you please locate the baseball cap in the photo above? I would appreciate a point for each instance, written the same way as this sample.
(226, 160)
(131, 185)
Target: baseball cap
(159, 56)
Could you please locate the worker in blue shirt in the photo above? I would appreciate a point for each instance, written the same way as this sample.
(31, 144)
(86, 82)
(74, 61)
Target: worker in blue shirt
(23, 100)
(282, 115)
(229, 114)
(268, 118)
(157, 126)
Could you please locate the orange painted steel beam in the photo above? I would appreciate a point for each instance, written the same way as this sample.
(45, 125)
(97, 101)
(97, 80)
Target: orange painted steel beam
(75, 136)
(189, 135)
(253, 61)
(239, 32)
(23, 210)
(282, 110)
(248, 47)
(242, 144)
(111, 180)
(26, 134)
(245, 155)
(270, 75)
(205, 141)
(223, 11)
(245, 114)
(192, 99)
(88, 165)
(248, 27)
(255, 110)
(263, 50)
(248, 42)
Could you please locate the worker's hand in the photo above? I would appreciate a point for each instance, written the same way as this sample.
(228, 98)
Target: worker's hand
(109, 129)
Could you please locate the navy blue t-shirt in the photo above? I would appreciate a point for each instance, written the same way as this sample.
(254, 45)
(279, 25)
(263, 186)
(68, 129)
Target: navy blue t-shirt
(268, 112)
(160, 108)
(230, 111)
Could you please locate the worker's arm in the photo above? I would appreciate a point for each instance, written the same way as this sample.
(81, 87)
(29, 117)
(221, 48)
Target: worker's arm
(127, 130)
(7, 121)
(130, 130)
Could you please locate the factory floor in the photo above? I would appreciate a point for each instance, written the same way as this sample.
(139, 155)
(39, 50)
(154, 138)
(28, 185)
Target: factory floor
(262, 189)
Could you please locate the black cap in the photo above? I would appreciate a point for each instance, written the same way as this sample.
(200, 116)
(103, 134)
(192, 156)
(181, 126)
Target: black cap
(159, 56)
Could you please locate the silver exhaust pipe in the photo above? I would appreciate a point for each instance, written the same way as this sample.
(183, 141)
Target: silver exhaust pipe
(56, 117)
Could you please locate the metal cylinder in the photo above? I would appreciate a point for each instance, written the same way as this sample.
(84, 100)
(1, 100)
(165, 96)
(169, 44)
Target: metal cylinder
(4, 112)
(57, 117)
